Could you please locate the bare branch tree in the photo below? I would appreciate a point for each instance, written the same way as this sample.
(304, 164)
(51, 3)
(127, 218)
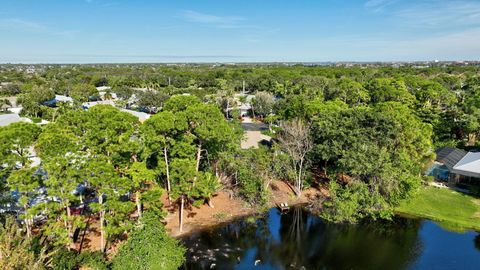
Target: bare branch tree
(295, 140)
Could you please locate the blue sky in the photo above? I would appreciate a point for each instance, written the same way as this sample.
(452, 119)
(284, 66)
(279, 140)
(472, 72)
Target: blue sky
(87, 31)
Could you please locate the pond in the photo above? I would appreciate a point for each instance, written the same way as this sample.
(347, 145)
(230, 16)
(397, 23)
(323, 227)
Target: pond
(300, 240)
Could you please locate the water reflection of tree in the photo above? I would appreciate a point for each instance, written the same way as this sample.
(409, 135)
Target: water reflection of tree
(225, 246)
(306, 240)
(310, 242)
(477, 242)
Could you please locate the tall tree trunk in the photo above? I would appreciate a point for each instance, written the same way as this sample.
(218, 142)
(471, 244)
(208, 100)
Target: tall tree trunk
(69, 223)
(181, 214)
(295, 182)
(472, 138)
(27, 223)
(102, 221)
(210, 203)
(228, 106)
(69, 226)
(197, 166)
(325, 167)
(300, 182)
(167, 168)
(139, 204)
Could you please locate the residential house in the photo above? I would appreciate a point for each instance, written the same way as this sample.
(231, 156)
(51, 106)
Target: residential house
(456, 166)
(87, 105)
(103, 90)
(245, 107)
(142, 117)
(58, 99)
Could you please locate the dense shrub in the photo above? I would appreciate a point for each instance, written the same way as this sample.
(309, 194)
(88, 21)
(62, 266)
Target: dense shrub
(68, 259)
(149, 247)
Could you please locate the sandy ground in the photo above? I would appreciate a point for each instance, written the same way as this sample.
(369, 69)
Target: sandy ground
(225, 209)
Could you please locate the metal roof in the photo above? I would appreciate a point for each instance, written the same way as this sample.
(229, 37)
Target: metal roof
(450, 156)
(469, 165)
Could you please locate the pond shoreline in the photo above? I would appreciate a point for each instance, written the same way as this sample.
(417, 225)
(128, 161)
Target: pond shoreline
(228, 208)
(299, 239)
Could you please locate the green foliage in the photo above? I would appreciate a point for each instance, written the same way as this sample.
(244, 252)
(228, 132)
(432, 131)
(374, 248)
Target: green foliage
(180, 103)
(349, 91)
(383, 90)
(15, 141)
(151, 200)
(16, 252)
(149, 247)
(373, 128)
(84, 92)
(250, 172)
(68, 259)
(64, 259)
(64, 175)
(384, 146)
(32, 100)
(353, 202)
(263, 104)
(152, 100)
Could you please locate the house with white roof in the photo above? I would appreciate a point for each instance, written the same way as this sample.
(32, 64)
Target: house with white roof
(456, 166)
(104, 88)
(245, 107)
(467, 170)
(142, 117)
(58, 99)
(87, 105)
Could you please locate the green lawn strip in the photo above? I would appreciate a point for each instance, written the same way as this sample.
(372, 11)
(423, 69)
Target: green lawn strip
(452, 209)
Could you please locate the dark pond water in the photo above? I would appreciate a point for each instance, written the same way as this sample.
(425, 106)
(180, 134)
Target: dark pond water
(299, 240)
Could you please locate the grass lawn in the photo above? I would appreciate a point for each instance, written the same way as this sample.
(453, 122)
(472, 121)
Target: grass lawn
(452, 209)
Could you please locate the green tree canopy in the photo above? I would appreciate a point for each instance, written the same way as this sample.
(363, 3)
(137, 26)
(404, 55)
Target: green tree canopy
(149, 247)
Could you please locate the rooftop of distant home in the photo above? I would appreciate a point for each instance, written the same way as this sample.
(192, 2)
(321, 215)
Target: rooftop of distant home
(456, 165)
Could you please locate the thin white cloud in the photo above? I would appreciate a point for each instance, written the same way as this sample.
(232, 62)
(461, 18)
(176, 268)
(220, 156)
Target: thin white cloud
(19, 24)
(441, 13)
(378, 5)
(461, 45)
(214, 20)
(16, 24)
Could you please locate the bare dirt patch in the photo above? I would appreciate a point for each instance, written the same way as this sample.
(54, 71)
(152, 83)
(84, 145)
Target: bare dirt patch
(226, 208)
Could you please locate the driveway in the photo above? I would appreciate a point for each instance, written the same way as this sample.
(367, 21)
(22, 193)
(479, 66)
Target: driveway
(253, 134)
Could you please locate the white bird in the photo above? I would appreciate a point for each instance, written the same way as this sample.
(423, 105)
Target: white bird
(257, 262)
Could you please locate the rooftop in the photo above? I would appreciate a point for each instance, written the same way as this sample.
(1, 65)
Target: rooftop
(469, 165)
(450, 156)
(141, 115)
